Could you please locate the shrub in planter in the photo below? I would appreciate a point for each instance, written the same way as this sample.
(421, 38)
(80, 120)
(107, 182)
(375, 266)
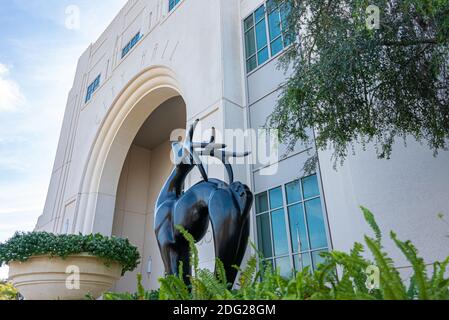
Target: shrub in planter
(41, 264)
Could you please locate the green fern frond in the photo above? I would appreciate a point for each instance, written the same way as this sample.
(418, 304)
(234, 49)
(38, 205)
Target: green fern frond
(370, 219)
(391, 282)
(418, 265)
(247, 275)
(221, 272)
(194, 256)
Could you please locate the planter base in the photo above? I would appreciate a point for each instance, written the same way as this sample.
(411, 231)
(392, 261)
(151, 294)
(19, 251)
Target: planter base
(45, 278)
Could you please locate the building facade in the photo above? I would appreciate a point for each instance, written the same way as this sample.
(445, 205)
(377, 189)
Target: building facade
(160, 65)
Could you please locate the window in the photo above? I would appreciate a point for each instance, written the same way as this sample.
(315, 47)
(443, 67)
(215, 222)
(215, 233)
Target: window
(92, 87)
(172, 4)
(131, 44)
(290, 225)
(266, 33)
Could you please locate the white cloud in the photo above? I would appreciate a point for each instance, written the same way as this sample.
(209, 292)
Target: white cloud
(10, 94)
(45, 68)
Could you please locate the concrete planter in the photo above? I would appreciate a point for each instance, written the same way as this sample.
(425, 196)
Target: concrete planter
(45, 278)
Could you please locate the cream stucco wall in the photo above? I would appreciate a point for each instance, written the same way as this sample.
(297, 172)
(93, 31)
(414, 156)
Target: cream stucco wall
(143, 175)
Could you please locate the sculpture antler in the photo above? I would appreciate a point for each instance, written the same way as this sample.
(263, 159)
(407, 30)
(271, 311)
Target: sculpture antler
(215, 150)
(191, 147)
(210, 149)
(224, 157)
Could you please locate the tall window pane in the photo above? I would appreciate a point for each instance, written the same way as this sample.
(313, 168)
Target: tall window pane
(317, 258)
(264, 236)
(276, 198)
(315, 220)
(310, 187)
(285, 267)
(293, 191)
(262, 203)
(249, 22)
(251, 64)
(263, 55)
(250, 43)
(279, 233)
(298, 230)
(302, 261)
(260, 13)
(277, 46)
(172, 4)
(285, 12)
(261, 35)
(274, 23)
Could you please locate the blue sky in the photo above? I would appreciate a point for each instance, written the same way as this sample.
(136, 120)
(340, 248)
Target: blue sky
(40, 42)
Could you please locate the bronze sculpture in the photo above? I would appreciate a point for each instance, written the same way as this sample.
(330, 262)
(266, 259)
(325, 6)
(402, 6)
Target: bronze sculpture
(226, 205)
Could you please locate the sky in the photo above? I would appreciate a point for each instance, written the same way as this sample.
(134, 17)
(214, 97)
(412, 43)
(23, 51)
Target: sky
(40, 43)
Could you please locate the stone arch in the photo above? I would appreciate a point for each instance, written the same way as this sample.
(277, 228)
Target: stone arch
(95, 211)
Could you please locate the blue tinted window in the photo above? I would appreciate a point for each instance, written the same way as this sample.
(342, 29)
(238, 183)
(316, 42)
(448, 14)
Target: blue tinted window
(269, 26)
(131, 44)
(285, 12)
(264, 235)
(279, 233)
(276, 200)
(300, 235)
(261, 35)
(250, 43)
(277, 46)
(262, 203)
(289, 38)
(251, 64)
(298, 230)
(310, 187)
(302, 261)
(172, 4)
(260, 13)
(293, 191)
(274, 23)
(92, 88)
(285, 267)
(263, 55)
(315, 221)
(249, 22)
(317, 258)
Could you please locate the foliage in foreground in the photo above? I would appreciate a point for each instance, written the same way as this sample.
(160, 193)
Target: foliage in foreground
(8, 292)
(356, 83)
(141, 294)
(358, 279)
(23, 246)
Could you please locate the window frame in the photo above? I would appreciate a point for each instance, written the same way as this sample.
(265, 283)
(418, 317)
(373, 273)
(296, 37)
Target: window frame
(175, 4)
(92, 88)
(285, 207)
(131, 44)
(282, 36)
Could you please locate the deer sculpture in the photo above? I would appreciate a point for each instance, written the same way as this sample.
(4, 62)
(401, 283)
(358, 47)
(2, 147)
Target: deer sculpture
(225, 205)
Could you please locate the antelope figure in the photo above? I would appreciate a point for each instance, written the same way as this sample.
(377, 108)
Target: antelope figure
(226, 205)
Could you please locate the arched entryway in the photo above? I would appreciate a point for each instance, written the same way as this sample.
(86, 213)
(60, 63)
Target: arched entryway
(144, 172)
(138, 124)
